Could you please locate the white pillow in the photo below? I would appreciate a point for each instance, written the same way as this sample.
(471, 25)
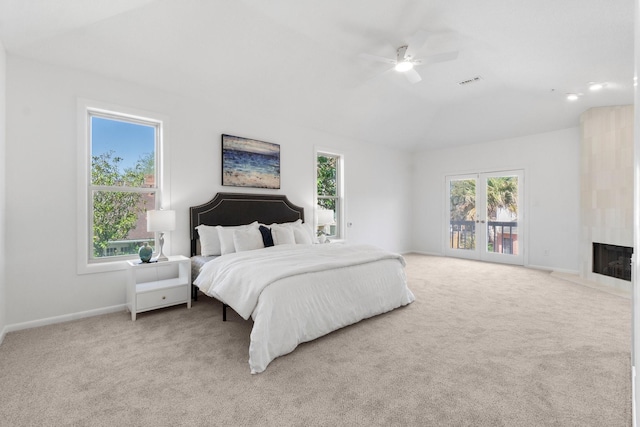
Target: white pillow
(302, 233)
(209, 240)
(247, 239)
(282, 235)
(226, 236)
(309, 229)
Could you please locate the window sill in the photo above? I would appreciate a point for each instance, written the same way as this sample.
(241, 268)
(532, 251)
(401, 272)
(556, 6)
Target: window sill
(102, 267)
(331, 240)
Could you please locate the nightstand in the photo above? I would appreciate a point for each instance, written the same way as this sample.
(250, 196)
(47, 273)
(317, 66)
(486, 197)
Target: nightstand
(158, 284)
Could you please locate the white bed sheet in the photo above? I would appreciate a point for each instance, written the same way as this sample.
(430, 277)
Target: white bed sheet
(292, 311)
(306, 305)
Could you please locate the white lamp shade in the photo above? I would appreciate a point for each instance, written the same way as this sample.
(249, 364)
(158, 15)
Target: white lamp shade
(325, 217)
(161, 221)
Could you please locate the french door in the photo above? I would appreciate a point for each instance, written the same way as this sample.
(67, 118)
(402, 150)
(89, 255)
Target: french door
(485, 217)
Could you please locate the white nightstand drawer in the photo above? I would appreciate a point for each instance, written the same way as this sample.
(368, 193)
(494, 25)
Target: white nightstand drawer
(159, 298)
(158, 284)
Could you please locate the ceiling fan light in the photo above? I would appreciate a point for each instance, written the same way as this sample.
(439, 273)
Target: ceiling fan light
(404, 66)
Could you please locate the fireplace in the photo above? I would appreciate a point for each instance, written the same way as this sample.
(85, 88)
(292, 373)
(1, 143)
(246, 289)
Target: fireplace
(612, 260)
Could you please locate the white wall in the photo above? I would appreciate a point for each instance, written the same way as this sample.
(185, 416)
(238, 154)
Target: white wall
(635, 264)
(552, 189)
(41, 181)
(3, 282)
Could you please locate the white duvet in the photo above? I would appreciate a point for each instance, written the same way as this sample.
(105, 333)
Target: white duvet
(296, 293)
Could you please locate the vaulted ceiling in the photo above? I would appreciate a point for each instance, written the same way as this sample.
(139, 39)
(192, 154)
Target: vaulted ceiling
(299, 61)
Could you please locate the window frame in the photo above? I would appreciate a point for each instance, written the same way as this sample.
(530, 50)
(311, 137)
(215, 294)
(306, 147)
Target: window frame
(340, 199)
(85, 110)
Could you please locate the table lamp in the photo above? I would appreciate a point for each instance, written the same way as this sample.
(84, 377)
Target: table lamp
(161, 221)
(325, 217)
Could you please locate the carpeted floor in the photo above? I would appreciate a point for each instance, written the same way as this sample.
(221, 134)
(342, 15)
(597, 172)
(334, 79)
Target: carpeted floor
(483, 345)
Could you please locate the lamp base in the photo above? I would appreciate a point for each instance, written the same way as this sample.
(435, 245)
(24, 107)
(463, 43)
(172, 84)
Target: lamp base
(161, 256)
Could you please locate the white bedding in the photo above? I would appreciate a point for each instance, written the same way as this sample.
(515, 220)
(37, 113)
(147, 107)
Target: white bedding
(296, 293)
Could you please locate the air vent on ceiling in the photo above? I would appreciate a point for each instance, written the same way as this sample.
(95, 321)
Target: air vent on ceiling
(469, 81)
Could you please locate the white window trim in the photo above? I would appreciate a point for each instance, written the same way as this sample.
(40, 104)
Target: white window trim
(163, 198)
(341, 196)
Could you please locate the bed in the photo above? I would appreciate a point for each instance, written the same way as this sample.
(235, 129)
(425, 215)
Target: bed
(296, 290)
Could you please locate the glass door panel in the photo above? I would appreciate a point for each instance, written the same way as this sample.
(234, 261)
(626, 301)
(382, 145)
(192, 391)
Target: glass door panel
(502, 194)
(461, 195)
(484, 215)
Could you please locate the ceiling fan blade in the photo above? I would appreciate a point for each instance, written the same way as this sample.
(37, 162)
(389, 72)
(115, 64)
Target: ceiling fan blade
(377, 58)
(440, 57)
(412, 76)
(416, 42)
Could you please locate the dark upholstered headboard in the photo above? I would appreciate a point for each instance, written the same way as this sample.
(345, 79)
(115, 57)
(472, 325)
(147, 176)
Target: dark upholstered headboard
(237, 209)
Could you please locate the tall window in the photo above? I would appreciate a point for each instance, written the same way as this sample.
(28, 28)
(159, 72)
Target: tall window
(122, 174)
(329, 194)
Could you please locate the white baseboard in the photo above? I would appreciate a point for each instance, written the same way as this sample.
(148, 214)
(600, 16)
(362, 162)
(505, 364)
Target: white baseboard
(564, 271)
(60, 319)
(554, 270)
(3, 333)
(422, 253)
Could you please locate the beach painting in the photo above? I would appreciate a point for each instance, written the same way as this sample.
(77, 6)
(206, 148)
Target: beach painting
(250, 163)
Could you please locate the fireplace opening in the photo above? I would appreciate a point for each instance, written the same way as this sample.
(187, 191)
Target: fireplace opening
(612, 260)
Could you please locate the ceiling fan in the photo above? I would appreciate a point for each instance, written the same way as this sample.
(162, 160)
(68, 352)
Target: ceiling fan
(405, 60)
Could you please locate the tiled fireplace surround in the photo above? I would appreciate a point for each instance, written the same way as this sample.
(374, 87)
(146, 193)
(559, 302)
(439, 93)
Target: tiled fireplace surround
(606, 181)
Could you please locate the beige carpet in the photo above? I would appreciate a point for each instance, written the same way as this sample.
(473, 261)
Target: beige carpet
(483, 345)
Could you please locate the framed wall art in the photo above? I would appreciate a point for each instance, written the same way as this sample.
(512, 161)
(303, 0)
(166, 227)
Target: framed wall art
(250, 163)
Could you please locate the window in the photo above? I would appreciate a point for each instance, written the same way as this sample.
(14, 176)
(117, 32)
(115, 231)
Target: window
(329, 194)
(121, 179)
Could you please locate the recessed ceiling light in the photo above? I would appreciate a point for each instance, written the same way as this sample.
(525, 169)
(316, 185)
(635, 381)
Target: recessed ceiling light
(596, 86)
(404, 66)
(572, 96)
